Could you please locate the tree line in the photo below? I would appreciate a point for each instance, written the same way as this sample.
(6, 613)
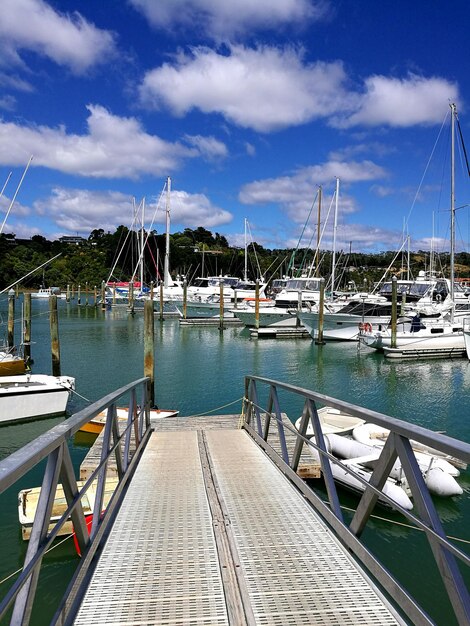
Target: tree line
(193, 252)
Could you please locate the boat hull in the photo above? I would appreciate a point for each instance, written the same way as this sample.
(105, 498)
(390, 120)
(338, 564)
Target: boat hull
(33, 396)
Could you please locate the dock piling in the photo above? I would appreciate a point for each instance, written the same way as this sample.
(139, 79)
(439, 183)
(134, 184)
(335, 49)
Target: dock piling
(149, 348)
(55, 343)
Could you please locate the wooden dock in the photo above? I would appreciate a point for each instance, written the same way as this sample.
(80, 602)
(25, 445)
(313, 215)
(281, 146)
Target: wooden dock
(279, 332)
(211, 532)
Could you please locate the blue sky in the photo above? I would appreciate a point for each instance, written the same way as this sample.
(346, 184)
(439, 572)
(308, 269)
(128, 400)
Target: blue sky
(248, 106)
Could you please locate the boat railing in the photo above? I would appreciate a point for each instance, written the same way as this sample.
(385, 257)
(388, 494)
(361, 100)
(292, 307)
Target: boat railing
(263, 419)
(122, 444)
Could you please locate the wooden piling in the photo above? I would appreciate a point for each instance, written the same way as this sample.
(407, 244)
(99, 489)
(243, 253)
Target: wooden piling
(257, 304)
(27, 329)
(131, 297)
(185, 299)
(55, 344)
(79, 299)
(221, 305)
(149, 348)
(393, 340)
(67, 295)
(321, 306)
(11, 319)
(86, 294)
(103, 295)
(161, 302)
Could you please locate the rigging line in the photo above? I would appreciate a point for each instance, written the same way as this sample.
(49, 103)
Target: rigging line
(219, 407)
(425, 171)
(463, 146)
(291, 262)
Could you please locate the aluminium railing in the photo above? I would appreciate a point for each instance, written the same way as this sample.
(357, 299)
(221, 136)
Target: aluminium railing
(122, 444)
(258, 420)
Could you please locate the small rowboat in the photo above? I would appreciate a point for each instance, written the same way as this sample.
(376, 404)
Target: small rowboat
(96, 425)
(28, 502)
(333, 421)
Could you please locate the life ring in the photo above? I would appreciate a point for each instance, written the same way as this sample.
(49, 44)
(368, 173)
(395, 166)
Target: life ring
(366, 327)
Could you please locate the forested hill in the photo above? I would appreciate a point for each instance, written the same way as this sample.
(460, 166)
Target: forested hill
(115, 256)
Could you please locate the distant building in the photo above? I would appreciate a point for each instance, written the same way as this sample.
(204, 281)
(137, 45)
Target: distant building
(72, 239)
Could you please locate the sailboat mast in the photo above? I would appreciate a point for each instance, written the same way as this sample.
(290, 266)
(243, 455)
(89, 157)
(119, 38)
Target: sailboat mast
(166, 266)
(452, 203)
(334, 238)
(317, 251)
(142, 247)
(245, 275)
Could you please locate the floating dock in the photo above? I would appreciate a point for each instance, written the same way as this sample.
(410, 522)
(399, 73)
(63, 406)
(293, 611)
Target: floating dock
(210, 321)
(279, 332)
(211, 532)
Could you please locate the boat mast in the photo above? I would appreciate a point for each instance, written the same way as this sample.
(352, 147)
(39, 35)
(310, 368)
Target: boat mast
(142, 247)
(245, 275)
(334, 238)
(452, 204)
(166, 267)
(317, 251)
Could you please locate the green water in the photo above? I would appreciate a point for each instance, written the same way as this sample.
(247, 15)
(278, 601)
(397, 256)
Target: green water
(200, 369)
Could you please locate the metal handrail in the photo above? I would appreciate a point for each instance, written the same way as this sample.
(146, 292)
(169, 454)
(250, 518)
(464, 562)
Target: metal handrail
(257, 421)
(124, 445)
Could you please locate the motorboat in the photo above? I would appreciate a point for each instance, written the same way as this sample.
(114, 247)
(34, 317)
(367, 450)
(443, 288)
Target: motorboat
(343, 324)
(418, 337)
(96, 425)
(30, 396)
(45, 292)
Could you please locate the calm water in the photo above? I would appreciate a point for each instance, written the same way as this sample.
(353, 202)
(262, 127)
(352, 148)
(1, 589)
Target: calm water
(200, 370)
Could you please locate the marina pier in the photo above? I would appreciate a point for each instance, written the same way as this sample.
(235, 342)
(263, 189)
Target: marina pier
(210, 522)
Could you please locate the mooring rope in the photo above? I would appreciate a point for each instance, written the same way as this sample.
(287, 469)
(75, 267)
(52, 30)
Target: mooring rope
(218, 408)
(56, 545)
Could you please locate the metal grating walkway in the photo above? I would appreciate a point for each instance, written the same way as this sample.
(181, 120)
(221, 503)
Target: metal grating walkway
(160, 565)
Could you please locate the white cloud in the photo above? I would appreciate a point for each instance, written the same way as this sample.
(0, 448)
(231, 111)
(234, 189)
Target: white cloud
(82, 210)
(414, 100)
(269, 88)
(68, 40)
(302, 185)
(222, 19)
(196, 210)
(113, 147)
(210, 147)
(265, 88)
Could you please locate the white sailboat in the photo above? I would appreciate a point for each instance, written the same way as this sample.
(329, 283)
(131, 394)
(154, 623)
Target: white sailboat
(30, 396)
(442, 337)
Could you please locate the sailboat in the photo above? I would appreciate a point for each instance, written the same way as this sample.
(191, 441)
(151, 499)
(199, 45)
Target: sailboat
(442, 337)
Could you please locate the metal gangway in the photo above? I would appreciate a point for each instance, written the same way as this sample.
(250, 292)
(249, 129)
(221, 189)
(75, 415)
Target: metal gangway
(210, 522)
